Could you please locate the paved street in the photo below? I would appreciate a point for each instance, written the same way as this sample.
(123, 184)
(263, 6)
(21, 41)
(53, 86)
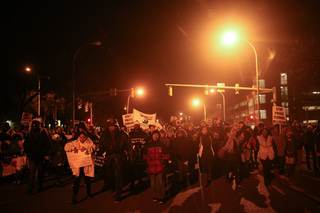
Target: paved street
(297, 194)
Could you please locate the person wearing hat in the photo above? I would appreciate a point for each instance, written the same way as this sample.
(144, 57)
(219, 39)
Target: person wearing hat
(138, 140)
(116, 145)
(36, 146)
(298, 138)
(157, 156)
(310, 148)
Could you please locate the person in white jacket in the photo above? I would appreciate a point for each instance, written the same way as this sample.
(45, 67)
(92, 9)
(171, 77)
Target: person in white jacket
(82, 144)
(266, 153)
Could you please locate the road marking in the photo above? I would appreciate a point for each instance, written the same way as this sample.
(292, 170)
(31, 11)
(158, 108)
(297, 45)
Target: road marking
(251, 207)
(263, 191)
(279, 190)
(215, 207)
(180, 198)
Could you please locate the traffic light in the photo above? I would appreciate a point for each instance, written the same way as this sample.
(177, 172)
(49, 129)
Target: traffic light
(237, 89)
(132, 92)
(170, 91)
(253, 95)
(113, 91)
(79, 103)
(206, 91)
(251, 117)
(89, 120)
(86, 108)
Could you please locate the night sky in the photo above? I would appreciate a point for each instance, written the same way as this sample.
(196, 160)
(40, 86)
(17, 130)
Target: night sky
(150, 43)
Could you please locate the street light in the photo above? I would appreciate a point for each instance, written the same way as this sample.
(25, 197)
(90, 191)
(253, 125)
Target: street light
(28, 69)
(230, 38)
(97, 43)
(139, 92)
(223, 101)
(197, 103)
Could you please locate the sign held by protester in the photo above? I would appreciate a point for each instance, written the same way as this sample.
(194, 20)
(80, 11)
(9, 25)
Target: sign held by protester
(128, 120)
(26, 118)
(278, 115)
(79, 159)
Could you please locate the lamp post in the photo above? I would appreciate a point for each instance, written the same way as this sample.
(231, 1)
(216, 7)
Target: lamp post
(230, 38)
(132, 94)
(223, 102)
(97, 43)
(196, 103)
(28, 69)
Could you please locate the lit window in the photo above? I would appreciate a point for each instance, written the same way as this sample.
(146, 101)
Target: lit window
(262, 83)
(287, 111)
(263, 114)
(283, 79)
(262, 99)
(285, 104)
(250, 103)
(284, 93)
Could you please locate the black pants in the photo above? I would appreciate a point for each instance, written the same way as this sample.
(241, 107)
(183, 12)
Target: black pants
(267, 167)
(33, 166)
(311, 149)
(232, 166)
(114, 176)
(76, 183)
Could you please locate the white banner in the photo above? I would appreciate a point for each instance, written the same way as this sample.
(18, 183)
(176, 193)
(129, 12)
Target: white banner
(278, 115)
(144, 119)
(80, 159)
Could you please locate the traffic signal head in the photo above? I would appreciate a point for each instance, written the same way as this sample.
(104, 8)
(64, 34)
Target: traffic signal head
(170, 91)
(237, 89)
(132, 92)
(89, 120)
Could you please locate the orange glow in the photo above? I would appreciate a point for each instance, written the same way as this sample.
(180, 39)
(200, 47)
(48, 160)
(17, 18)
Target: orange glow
(28, 69)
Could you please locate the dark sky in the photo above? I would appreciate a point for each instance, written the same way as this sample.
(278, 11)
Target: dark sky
(147, 43)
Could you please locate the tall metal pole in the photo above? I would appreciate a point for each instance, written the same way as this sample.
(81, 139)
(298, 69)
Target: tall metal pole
(205, 112)
(39, 97)
(257, 80)
(224, 106)
(74, 81)
(128, 107)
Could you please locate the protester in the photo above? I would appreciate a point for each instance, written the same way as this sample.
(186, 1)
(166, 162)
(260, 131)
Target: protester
(58, 154)
(266, 153)
(230, 153)
(163, 137)
(298, 139)
(36, 146)
(206, 153)
(310, 148)
(156, 154)
(290, 152)
(117, 147)
(138, 168)
(245, 152)
(281, 144)
(181, 148)
(82, 144)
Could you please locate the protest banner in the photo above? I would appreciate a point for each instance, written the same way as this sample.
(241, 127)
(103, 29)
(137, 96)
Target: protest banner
(80, 159)
(144, 119)
(26, 118)
(278, 115)
(128, 120)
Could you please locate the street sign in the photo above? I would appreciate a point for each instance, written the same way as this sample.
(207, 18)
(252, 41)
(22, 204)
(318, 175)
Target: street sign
(278, 115)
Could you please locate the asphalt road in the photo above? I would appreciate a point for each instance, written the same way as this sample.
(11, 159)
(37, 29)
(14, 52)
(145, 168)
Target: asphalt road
(297, 194)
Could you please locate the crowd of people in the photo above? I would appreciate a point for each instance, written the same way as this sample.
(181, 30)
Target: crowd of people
(132, 156)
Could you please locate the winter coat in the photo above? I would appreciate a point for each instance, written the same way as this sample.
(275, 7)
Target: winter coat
(181, 147)
(265, 147)
(58, 155)
(205, 142)
(138, 141)
(90, 147)
(298, 138)
(156, 154)
(281, 143)
(37, 145)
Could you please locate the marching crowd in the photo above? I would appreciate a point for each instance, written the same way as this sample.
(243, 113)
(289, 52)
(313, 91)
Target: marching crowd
(131, 156)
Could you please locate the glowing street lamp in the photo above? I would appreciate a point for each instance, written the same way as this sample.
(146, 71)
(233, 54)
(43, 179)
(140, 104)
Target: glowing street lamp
(230, 38)
(197, 103)
(138, 92)
(28, 69)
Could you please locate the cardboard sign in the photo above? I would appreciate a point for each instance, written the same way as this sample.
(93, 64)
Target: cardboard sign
(80, 159)
(128, 120)
(278, 115)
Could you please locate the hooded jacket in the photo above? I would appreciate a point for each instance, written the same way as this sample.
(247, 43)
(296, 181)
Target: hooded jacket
(37, 145)
(156, 153)
(181, 146)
